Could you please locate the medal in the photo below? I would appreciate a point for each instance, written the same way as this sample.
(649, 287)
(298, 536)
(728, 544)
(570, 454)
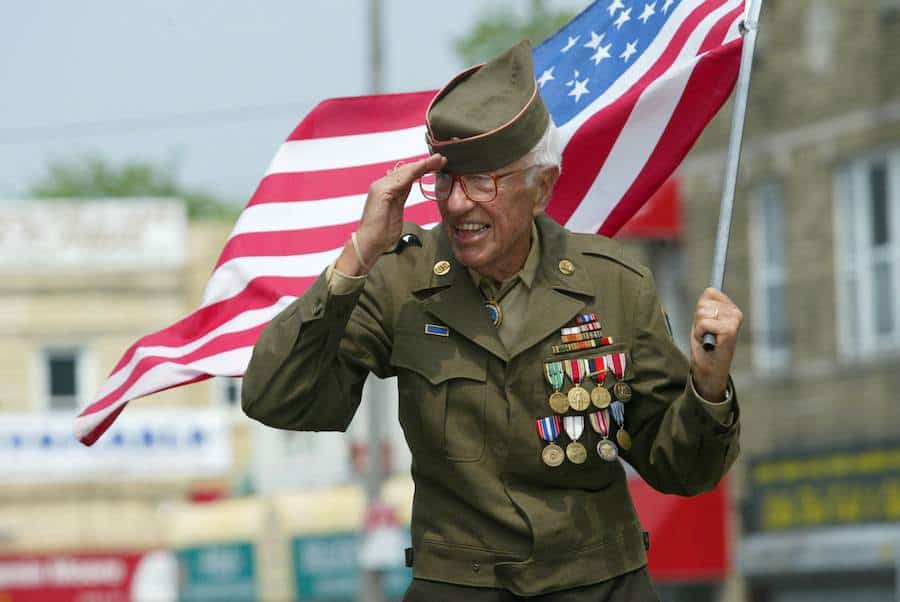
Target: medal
(621, 389)
(548, 430)
(575, 451)
(597, 370)
(578, 396)
(617, 408)
(606, 449)
(494, 312)
(555, 376)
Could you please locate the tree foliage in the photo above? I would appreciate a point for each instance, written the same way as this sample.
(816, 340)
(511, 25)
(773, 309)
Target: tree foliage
(501, 28)
(93, 177)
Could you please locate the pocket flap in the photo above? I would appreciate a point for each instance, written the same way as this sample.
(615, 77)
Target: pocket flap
(436, 358)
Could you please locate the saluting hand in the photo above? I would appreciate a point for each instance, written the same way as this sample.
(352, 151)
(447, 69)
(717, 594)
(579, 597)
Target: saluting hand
(718, 315)
(382, 220)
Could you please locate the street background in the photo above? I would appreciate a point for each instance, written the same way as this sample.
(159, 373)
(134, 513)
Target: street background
(131, 135)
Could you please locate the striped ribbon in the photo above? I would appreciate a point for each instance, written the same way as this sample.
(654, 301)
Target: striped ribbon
(600, 422)
(548, 428)
(618, 412)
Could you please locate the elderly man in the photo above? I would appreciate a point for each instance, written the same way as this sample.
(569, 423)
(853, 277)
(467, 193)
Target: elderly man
(529, 360)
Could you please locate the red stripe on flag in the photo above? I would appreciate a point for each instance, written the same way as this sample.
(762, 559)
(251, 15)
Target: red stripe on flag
(314, 240)
(589, 147)
(707, 90)
(717, 34)
(259, 293)
(364, 115)
(323, 184)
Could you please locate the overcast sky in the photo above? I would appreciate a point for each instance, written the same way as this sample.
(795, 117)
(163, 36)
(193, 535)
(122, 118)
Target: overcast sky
(212, 86)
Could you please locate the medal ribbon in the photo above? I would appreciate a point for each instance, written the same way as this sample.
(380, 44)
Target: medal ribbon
(589, 327)
(618, 364)
(548, 428)
(618, 411)
(600, 422)
(585, 318)
(574, 426)
(573, 369)
(597, 367)
(581, 336)
(554, 373)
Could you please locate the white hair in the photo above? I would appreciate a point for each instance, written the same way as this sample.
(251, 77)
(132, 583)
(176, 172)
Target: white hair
(548, 150)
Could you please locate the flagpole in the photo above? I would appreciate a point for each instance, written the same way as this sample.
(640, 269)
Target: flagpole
(750, 26)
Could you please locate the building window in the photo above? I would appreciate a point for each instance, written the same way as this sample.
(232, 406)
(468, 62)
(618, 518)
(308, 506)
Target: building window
(229, 391)
(63, 377)
(771, 336)
(868, 254)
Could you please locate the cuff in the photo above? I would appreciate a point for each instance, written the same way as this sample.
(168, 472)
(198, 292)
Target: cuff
(342, 284)
(723, 411)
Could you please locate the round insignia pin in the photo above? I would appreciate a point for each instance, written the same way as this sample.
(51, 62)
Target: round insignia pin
(553, 455)
(566, 267)
(607, 450)
(441, 267)
(494, 313)
(600, 397)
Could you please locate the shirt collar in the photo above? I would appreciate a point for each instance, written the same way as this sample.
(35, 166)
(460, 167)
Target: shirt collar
(529, 269)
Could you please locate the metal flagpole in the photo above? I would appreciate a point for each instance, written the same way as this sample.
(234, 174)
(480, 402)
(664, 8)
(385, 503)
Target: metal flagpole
(750, 25)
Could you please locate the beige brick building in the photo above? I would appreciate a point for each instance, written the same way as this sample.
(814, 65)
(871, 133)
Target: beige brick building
(813, 261)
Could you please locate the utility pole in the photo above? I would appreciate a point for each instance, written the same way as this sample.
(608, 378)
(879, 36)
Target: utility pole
(371, 589)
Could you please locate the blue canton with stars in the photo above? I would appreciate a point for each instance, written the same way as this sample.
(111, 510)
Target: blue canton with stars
(582, 60)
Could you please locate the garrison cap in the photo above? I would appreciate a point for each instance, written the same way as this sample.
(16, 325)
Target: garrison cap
(489, 115)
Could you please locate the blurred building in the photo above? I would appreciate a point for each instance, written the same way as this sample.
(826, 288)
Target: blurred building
(814, 261)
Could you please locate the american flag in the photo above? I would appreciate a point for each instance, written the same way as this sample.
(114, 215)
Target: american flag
(631, 84)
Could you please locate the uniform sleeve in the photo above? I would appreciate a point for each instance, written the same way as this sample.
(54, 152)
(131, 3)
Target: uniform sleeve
(310, 362)
(680, 444)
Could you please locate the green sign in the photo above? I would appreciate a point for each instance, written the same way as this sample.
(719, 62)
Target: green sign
(217, 572)
(835, 487)
(326, 568)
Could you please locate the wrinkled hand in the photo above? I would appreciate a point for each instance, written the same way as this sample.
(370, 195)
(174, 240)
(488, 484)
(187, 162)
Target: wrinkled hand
(382, 220)
(718, 315)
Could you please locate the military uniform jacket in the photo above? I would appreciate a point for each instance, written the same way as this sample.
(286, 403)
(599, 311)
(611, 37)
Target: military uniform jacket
(486, 511)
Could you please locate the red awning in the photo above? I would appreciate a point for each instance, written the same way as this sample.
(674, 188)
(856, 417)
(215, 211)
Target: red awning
(688, 535)
(659, 218)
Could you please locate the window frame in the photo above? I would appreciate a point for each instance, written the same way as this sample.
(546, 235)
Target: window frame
(854, 260)
(766, 357)
(83, 375)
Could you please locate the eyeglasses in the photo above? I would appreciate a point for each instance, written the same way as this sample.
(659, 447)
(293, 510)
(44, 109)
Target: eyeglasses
(479, 188)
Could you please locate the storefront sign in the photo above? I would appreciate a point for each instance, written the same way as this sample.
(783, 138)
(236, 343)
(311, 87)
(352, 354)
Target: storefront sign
(326, 568)
(827, 488)
(217, 572)
(100, 577)
(156, 443)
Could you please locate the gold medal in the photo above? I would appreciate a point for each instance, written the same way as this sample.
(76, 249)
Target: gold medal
(600, 397)
(607, 450)
(559, 402)
(579, 398)
(622, 391)
(553, 455)
(623, 438)
(576, 453)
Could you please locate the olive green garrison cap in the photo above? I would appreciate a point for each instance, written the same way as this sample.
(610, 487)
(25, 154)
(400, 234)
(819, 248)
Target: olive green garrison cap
(489, 115)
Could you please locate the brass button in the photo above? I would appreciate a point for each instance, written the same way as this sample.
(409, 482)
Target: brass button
(476, 566)
(442, 267)
(566, 267)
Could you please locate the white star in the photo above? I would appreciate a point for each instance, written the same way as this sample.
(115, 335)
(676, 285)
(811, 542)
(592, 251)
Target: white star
(667, 6)
(630, 49)
(579, 89)
(546, 76)
(571, 43)
(595, 41)
(624, 16)
(649, 11)
(616, 5)
(602, 53)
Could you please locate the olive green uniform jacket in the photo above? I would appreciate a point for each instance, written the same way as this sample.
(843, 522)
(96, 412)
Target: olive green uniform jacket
(486, 511)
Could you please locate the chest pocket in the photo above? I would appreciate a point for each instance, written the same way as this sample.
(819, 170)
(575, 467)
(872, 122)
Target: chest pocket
(442, 385)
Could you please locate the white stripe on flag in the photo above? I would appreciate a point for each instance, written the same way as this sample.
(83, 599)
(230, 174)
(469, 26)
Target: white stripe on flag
(641, 133)
(348, 151)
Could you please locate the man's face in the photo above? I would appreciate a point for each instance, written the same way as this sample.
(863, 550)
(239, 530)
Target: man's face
(493, 238)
